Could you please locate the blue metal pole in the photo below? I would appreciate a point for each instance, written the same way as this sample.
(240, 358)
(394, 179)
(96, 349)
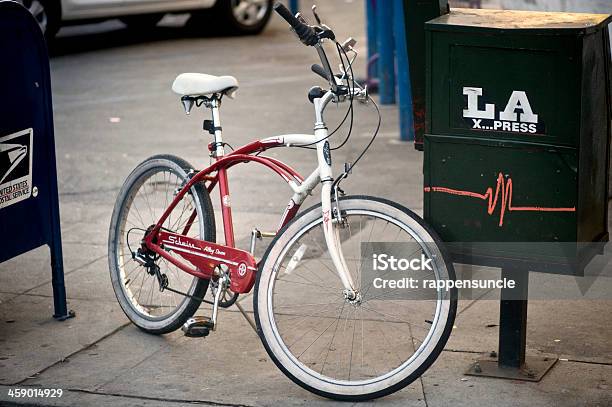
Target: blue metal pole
(385, 45)
(406, 118)
(371, 32)
(294, 6)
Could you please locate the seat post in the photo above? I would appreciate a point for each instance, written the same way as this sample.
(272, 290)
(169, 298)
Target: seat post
(214, 105)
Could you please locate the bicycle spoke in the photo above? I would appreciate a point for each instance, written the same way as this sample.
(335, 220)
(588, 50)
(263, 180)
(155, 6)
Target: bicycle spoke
(332, 339)
(300, 322)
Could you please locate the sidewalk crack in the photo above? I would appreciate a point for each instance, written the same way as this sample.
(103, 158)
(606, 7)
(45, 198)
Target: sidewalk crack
(87, 347)
(589, 362)
(423, 390)
(163, 399)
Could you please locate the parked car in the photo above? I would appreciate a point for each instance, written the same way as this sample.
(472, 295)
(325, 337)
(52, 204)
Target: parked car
(230, 16)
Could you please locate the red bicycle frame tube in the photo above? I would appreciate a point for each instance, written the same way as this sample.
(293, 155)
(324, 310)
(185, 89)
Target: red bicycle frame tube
(220, 167)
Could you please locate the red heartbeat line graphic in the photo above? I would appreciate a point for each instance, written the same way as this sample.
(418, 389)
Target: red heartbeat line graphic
(504, 188)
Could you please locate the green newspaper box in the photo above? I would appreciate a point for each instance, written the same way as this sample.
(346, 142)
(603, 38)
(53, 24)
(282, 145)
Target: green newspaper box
(518, 136)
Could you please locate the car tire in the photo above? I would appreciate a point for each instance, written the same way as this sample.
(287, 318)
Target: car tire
(142, 21)
(47, 13)
(226, 17)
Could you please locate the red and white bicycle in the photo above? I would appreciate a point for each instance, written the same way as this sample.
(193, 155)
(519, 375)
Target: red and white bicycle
(322, 327)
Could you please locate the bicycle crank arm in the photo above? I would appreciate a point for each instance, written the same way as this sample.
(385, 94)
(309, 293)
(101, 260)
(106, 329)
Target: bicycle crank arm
(220, 287)
(257, 234)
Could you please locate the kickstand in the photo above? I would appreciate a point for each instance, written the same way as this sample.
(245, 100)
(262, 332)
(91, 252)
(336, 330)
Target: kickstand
(247, 317)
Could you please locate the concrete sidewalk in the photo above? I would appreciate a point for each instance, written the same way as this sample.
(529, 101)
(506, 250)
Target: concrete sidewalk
(99, 358)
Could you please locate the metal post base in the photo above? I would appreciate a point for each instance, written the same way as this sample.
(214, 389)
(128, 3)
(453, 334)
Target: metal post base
(510, 361)
(70, 314)
(533, 370)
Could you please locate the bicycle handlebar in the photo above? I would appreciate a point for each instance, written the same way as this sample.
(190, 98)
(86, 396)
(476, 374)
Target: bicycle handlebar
(306, 33)
(286, 14)
(309, 36)
(319, 70)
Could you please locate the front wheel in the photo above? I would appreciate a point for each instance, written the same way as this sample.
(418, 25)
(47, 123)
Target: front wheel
(363, 348)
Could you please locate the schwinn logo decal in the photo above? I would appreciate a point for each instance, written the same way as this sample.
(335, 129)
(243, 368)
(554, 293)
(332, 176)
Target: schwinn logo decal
(174, 241)
(179, 242)
(15, 167)
(517, 117)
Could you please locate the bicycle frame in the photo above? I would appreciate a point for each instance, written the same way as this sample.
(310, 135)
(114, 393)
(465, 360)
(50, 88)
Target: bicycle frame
(240, 262)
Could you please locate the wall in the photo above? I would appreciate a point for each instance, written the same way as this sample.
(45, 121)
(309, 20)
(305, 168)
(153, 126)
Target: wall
(579, 6)
(575, 6)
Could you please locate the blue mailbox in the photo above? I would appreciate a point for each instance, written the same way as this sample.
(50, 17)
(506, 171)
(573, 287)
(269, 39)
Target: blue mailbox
(29, 209)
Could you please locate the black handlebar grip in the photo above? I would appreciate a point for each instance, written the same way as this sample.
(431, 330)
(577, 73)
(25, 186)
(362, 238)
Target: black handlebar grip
(319, 70)
(305, 32)
(286, 14)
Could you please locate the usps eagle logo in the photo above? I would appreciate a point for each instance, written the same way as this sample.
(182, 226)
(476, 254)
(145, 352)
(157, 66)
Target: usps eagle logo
(14, 155)
(15, 167)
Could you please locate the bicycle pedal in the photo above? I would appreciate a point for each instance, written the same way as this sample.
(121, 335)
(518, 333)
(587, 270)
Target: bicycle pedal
(197, 327)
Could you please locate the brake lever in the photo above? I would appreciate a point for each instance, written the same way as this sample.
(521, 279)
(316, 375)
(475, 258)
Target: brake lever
(349, 44)
(324, 32)
(321, 31)
(301, 18)
(316, 15)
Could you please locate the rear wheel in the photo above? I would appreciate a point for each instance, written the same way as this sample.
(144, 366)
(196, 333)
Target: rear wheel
(144, 197)
(241, 17)
(365, 347)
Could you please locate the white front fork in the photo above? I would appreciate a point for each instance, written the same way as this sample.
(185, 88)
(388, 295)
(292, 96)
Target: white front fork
(330, 228)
